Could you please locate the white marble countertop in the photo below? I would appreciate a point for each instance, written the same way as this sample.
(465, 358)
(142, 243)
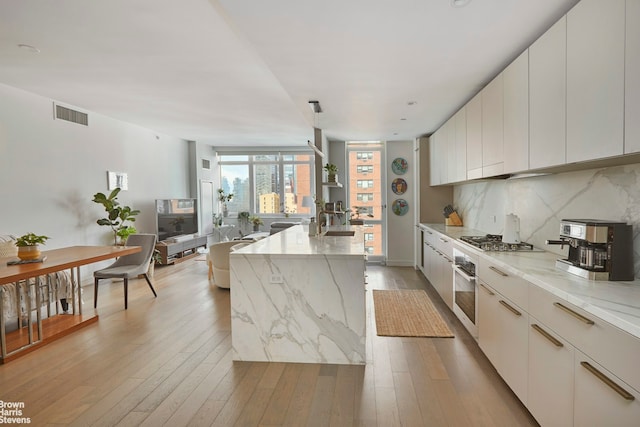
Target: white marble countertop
(295, 241)
(615, 302)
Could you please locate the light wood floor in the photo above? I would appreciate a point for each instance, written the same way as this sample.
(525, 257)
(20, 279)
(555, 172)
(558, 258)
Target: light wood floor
(167, 361)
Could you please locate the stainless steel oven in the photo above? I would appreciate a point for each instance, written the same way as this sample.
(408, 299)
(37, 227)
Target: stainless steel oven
(465, 288)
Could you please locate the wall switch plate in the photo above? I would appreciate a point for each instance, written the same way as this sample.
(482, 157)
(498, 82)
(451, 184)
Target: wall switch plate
(276, 278)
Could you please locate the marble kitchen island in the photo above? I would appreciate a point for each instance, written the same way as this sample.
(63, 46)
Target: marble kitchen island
(296, 298)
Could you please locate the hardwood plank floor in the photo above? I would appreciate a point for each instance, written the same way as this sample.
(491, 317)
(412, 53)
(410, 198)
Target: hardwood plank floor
(167, 361)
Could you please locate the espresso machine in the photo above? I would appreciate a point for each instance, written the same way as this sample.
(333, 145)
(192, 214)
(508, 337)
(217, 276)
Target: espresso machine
(598, 249)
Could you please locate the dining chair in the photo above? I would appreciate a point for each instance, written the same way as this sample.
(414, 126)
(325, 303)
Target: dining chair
(129, 266)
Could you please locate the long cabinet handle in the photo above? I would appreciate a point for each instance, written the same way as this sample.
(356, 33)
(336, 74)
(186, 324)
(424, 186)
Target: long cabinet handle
(502, 273)
(577, 315)
(487, 290)
(511, 309)
(547, 335)
(443, 240)
(608, 381)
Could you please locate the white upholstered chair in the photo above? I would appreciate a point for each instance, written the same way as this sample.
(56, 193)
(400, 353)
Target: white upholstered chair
(218, 260)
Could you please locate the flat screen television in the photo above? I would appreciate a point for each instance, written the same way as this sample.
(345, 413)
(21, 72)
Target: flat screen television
(176, 217)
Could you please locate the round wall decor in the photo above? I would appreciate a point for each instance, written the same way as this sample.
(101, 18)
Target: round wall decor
(399, 166)
(399, 186)
(400, 207)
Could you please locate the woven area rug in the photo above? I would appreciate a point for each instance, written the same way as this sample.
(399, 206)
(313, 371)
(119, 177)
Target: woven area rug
(408, 313)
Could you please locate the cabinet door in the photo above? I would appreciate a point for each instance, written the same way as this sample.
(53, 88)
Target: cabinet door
(550, 391)
(595, 79)
(492, 128)
(461, 145)
(446, 280)
(474, 137)
(434, 160)
(450, 147)
(600, 398)
(547, 97)
(516, 114)
(632, 78)
(503, 337)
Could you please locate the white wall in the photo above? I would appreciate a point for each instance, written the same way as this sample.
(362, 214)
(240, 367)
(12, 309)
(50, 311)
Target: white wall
(50, 170)
(401, 229)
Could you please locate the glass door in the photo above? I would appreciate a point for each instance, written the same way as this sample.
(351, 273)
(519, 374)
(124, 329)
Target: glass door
(366, 194)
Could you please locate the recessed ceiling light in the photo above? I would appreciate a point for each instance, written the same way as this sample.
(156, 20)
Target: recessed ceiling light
(29, 48)
(403, 118)
(412, 102)
(460, 3)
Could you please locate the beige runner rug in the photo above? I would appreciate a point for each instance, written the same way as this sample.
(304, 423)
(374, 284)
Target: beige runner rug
(408, 313)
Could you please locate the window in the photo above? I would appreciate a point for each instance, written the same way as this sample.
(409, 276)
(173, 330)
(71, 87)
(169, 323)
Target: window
(369, 250)
(270, 183)
(364, 168)
(364, 155)
(364, 197)
(368, 236)
(364, 183)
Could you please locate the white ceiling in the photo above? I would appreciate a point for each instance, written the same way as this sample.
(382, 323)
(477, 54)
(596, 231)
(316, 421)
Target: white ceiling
(241, 72)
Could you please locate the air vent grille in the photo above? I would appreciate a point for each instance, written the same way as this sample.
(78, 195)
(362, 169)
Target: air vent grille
(64, 113)
(206, 164)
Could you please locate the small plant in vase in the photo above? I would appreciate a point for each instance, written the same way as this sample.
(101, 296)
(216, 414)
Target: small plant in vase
(224, 198)
(28, 248)
(256, 221)
(332, 172)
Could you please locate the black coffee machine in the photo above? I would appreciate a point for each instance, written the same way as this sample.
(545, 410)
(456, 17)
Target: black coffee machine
(598, 249)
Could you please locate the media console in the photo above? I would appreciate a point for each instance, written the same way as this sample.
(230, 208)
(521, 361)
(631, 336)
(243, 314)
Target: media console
(175, 251)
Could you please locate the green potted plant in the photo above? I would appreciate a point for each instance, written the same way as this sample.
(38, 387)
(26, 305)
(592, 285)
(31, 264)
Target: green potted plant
(28, 246)
(224, 198)
(256, 221)
(332, 172)
(243, 219)
(117, 215)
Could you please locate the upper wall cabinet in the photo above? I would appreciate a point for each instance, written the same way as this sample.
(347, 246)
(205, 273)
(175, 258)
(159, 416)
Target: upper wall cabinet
(492, 128)
(460, 123)
(632, 79)
(474, 137)
(547, 97)
(434, 159)
(516, 114)
(595, 79)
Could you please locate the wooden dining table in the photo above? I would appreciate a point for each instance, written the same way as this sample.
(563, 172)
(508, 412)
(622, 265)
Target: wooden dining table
(31, 274)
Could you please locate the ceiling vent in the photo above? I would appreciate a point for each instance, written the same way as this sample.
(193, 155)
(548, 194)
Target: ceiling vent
(64, 113)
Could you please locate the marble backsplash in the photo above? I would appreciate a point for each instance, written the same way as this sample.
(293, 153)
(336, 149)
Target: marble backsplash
(542, 201)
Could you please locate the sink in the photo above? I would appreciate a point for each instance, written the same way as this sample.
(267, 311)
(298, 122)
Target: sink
(348, 233)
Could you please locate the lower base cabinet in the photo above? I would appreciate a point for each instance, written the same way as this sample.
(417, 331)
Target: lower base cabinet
(502, 336)
(550, 391)
(600, 398)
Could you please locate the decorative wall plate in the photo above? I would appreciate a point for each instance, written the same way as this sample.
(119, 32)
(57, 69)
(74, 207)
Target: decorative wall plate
(399, 166)
(399, 186)
(400, 207)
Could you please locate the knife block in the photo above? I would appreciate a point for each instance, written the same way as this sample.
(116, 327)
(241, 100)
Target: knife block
(453, 220)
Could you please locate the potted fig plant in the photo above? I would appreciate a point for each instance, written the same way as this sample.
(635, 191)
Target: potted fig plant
(117, 216)
(28, 248)
(224, 198)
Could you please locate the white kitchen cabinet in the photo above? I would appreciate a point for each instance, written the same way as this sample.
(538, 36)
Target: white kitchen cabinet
(547, 97)
(602, 399)
(450, 132)
(503, 337)
(516, 114)
(474, 137)
(461, 145)
(492, 128)
(550, 383)
(632, 78)
(434, 160)
(595, 80)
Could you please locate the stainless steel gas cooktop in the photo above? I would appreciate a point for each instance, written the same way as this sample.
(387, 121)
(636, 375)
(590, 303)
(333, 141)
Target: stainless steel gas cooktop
(493, 242)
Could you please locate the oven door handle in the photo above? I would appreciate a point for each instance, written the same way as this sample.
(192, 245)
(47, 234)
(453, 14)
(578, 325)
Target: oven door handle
(463, 273)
